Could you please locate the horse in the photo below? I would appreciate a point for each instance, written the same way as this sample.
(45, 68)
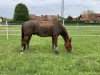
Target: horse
(45, 29)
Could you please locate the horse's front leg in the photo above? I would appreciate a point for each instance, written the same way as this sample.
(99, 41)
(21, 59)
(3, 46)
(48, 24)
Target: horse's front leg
(55, 44)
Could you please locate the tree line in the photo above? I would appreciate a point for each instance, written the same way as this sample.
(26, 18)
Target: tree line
(21, 14)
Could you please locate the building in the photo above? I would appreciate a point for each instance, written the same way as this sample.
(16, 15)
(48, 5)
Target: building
(43, 17)
(97, 18)
(1, 19)
(86, 18)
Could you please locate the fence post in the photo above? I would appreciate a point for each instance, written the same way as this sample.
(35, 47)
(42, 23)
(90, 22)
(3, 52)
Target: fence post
(62, 11)
(63, 23)
(7, 29)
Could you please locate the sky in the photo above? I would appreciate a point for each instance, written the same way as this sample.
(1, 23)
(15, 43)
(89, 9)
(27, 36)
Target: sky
(50, 7)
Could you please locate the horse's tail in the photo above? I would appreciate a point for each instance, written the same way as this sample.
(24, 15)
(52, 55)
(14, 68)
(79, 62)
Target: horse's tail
(22, 35)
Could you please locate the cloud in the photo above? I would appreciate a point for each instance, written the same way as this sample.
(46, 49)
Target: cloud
(39, 7)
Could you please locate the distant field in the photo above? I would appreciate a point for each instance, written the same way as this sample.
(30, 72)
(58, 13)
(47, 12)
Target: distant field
(40, 60)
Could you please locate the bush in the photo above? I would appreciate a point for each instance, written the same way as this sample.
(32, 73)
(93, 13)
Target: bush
(74, 21)
(80, 22)
(12, 22)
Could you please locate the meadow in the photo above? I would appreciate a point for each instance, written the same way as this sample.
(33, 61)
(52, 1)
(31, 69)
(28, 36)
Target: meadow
(40, 60)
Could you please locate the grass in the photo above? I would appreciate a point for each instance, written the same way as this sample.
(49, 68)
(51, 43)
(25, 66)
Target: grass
(40, 60)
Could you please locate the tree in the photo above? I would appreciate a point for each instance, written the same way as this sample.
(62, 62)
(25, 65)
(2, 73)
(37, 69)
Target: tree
(69, 18)
(88, 15)
(21, 13)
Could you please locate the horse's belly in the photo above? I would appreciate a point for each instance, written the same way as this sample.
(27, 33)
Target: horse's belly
(43, 34)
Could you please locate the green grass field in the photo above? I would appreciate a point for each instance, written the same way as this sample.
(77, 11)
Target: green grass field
(40, 60)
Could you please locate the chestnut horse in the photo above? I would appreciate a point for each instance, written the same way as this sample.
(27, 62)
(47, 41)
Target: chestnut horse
(45, 29)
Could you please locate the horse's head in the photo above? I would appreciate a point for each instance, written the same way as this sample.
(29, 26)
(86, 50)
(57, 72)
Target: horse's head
(68, 45)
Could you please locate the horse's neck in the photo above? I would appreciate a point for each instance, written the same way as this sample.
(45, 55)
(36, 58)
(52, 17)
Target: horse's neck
(65, 35)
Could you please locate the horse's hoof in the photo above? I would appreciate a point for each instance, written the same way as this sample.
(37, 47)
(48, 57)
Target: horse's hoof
(22, 53)
(57, 53)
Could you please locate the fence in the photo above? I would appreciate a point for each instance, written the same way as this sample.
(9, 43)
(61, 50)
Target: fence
(87, 31)
(6, 29)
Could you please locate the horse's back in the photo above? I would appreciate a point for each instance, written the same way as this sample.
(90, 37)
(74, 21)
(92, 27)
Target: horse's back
(43, 28)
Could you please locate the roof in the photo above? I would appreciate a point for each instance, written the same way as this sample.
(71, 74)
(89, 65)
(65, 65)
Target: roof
(97, 15)
(1, 17)
(86, 17)
(43, 17)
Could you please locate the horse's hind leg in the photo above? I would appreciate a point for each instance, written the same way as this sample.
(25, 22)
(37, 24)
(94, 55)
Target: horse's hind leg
(28, 41)
(24, 43)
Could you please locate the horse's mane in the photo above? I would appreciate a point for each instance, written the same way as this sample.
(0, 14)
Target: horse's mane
(64, 32)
